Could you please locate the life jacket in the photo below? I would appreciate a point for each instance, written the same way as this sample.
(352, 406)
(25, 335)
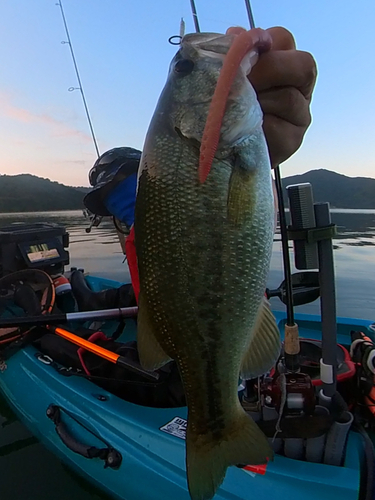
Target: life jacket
(131, 255)
(362, 351)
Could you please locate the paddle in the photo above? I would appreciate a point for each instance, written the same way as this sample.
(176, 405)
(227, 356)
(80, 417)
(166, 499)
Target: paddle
(305, 289)
(54, 319)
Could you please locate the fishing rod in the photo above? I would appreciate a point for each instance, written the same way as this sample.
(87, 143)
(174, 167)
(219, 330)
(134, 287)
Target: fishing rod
(291, 344)
(53, 319)
(250, 14)
(195, 16)
(95, 219)
(307, 215)
(80, 87)
(305, 289)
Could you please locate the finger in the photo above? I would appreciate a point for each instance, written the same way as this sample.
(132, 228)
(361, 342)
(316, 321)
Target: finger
(282, 39)
(285, 68)
(287, 103)
(283, 138)
(235, 30)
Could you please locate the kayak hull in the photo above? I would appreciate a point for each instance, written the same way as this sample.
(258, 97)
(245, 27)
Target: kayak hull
(153, 461)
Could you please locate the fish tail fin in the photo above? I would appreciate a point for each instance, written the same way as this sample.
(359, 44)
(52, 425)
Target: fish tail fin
(208, 457)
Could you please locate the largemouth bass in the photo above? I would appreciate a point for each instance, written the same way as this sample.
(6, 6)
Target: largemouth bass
(203, 235)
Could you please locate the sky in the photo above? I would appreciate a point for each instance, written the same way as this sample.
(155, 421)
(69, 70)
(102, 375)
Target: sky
(123, 54)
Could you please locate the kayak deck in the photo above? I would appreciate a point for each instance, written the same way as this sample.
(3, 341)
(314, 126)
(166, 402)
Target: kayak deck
(150, 456)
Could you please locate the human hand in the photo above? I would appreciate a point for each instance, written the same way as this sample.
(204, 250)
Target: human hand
(284, 79)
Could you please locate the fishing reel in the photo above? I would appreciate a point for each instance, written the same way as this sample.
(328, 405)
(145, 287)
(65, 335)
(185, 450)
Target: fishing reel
(289, 394)
(122, 230)
(280, 393)
(94, 219)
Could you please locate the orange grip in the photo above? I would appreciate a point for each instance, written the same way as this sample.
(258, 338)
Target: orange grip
(89, 346)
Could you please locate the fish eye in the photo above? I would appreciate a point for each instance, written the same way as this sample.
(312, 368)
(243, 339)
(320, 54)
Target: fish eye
(184, 67)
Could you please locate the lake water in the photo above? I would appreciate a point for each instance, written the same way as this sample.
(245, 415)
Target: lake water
(27, 470)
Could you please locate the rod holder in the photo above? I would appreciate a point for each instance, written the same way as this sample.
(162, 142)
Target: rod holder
(315, 446)
(302, 215)
(327, 302)
(336, 439)
(293, 448)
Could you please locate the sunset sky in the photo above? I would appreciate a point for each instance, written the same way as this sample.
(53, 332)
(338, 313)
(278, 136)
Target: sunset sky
(123, 54)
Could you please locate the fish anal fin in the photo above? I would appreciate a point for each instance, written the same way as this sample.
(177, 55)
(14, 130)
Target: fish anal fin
(207, 457)
(151, 354)
(265, 345)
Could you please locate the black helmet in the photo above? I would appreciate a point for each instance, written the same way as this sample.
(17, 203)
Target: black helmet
(110, 168)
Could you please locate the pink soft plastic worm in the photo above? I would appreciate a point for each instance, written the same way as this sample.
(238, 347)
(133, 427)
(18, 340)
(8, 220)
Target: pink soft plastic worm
(244, 42)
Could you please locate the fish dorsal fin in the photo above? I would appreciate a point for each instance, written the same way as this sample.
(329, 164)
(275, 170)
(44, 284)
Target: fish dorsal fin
(265, 345)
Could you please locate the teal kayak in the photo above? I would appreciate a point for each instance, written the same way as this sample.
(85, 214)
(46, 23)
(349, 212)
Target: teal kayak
(136, 452)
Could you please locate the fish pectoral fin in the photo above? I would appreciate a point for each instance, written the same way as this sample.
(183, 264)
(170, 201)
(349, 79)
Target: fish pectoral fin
(265, 345)
(151, 354)
(208, 457)
(241, 196)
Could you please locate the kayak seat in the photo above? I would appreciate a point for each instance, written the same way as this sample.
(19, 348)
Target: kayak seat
(166, 392)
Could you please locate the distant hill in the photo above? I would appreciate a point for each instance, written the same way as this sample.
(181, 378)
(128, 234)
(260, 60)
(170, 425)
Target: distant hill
(28, 193)
(341, 191)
